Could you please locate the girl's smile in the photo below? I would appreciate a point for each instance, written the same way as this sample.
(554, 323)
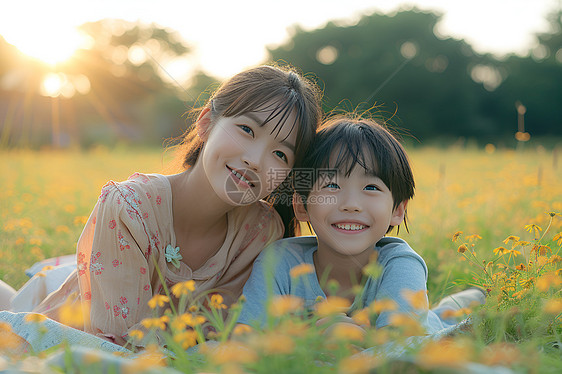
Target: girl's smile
(243, 178)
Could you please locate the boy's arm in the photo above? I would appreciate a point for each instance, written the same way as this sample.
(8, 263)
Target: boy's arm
(403, 276)
(260, 287)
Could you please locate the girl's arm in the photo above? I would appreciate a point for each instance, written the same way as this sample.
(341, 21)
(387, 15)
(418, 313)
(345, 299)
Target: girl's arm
(113, 265)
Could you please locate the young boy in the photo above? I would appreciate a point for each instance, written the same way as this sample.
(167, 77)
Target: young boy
(362, 182)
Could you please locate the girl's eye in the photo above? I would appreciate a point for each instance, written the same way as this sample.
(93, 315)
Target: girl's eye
(332, 186)
(372, 187)
(281, 155)
(247, 130)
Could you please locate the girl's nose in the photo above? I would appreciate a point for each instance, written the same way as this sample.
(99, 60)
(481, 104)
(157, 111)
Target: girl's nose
(252, 160)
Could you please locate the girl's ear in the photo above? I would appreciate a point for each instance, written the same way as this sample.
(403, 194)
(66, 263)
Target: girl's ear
(300, 211)
(399, 213)
(204, 124)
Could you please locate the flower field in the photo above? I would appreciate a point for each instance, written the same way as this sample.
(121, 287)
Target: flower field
(490, 218)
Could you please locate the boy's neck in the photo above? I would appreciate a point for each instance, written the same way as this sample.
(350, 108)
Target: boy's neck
(346, 270)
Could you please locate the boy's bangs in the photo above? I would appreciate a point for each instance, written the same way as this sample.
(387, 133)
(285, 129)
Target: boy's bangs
(347, 155)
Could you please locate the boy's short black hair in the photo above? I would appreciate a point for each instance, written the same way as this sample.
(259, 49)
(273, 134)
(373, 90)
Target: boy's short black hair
(362, 142)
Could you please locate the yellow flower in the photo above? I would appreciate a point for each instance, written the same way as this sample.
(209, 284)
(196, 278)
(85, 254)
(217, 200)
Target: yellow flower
(552, 214)
(62, 228)
(241, 329)
(473, 237)
(513, 252)
(383, 305)
(547, 281)
(34, 318)
(347, 331)
(232, 352)
(301, 269)
(156, 323)
(443, 353)
(511, 238)
(217, 302)
(450, 313)
(520, 267)
(159, 300)
(358, 364)
(283, 304)
(187, 339)
(554, 259)
(361, 317)
(80, 220)
(72, 314)
(9, 341)
(136, 334)
(456, 236)
(332, 305)
(553, 306)
(148, 358)
(500, 251)
(183, 288)
(293, 328)
(533, 228)
(417, 299)
(501, 354)
(558, 238)
(274, 343)
(527, 283)
(409, 325)
(462, 248)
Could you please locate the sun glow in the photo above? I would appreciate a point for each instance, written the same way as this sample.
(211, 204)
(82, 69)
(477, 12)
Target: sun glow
(51, 45)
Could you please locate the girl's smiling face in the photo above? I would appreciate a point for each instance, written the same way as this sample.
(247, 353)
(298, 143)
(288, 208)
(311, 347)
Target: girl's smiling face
(245, 159)
(350, 213)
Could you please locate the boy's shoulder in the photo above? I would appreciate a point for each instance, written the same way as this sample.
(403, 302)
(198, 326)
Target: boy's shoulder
(390, 247)
(292, 250)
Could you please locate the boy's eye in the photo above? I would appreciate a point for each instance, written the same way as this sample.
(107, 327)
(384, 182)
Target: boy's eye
(281, 155)
(372, 187)
(332, 185)
(247, 129)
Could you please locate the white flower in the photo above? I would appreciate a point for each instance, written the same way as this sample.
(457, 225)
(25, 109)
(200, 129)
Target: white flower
(173, 255)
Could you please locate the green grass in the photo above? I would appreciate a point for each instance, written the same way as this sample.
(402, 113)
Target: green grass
(45, 197)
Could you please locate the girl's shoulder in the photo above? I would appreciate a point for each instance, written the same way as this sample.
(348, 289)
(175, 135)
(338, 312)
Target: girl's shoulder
(144, 196)
(137, 187)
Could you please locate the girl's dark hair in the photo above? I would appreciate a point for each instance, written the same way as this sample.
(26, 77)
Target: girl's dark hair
(360, 142)
(281, 90)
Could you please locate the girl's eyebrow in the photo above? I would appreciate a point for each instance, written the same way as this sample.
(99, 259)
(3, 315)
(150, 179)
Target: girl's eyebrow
(259, 121)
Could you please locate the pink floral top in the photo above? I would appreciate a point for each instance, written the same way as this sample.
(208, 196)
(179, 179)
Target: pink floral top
(127, 235)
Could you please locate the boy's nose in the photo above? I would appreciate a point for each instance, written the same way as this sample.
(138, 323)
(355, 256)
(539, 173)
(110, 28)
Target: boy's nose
(350, 203)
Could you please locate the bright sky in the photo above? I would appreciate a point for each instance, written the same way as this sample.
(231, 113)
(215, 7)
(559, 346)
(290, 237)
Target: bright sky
(228, 36)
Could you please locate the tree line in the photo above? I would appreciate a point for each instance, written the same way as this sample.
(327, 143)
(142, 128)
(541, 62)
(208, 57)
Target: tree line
(394, 66)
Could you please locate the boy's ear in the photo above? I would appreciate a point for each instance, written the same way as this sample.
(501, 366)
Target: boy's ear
(204, 124)
(399, 213)
(298, 206)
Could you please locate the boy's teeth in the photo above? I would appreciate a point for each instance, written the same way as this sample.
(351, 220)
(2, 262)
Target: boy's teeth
(352, 227)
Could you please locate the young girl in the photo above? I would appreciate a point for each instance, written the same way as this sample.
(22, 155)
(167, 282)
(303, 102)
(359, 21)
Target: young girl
(207, 223)
(360, 187)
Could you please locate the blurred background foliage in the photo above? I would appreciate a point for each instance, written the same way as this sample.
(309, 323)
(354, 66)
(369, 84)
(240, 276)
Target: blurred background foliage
(432, 87)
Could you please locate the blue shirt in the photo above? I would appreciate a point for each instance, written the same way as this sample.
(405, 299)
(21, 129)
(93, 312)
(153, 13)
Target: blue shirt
(402, 269)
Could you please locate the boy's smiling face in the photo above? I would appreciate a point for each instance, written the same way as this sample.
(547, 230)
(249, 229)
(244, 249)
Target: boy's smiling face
(350, 214)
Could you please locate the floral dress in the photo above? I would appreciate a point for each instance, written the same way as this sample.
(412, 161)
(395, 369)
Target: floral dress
(125, 239)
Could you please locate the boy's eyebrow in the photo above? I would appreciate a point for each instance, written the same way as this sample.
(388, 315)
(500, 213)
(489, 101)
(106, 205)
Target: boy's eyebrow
(259, 121)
